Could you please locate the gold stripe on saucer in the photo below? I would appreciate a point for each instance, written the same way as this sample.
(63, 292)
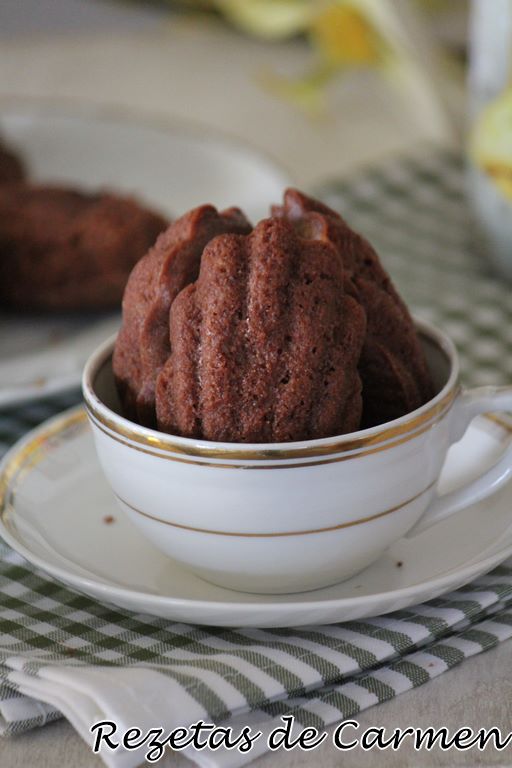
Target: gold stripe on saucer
(500, 421)
(165, 444)
(245, 535)
(33, 452)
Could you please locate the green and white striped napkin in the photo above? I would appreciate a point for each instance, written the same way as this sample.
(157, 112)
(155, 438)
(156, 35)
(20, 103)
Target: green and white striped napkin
(414, 211)
(61, 652)
(64, 654)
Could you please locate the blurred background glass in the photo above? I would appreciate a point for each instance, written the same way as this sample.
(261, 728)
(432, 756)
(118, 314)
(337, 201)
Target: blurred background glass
(490, 140)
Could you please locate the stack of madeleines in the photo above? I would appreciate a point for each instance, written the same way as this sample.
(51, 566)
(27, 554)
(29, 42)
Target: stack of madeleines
(289, 330)
(64, 249)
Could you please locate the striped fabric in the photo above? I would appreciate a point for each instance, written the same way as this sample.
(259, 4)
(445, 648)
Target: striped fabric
(415, 214)
(318, 674)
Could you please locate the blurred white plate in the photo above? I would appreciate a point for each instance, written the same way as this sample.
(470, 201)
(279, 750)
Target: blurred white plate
(171, 165)
(59, 513)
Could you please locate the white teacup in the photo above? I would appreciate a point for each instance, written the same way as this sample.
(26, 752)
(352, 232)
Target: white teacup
(288, 517)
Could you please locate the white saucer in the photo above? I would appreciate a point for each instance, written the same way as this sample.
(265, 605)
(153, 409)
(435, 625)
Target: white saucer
(171, 165)
(58, 512)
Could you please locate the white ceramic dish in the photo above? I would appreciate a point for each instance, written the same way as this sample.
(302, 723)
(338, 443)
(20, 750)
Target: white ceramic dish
(288, 517)
(171, 165)
(59, 513)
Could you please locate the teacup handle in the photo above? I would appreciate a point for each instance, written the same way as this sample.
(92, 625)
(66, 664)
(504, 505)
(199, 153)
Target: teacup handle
(469, 404)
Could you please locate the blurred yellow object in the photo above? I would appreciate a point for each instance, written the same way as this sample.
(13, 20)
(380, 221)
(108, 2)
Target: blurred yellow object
(270, 19)
(341, 30)
(346, 36)
(306, 92)
(491, 142)
(339, 36)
